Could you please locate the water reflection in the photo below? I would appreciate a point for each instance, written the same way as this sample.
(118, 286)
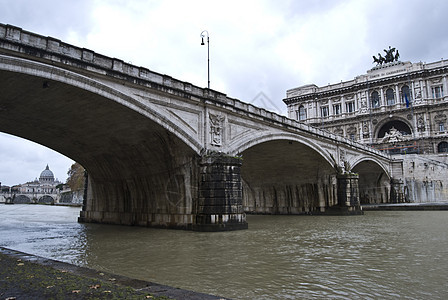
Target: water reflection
(378, 255)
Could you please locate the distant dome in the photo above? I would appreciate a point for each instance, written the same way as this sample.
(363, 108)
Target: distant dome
(46, 175)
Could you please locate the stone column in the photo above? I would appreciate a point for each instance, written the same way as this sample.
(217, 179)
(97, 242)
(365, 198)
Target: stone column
(396, 191)
(445, 87)
(348, 194)
(397, 95)
(382, 99)
(220, 203)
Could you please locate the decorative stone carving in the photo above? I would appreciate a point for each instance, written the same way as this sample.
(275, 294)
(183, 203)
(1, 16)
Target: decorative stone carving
(440, 118)
(392, 136)
(339, 131)
(418, 93)
(365, 130)
(363, 108)
(342, 155)
(216, 127)
(420, 124)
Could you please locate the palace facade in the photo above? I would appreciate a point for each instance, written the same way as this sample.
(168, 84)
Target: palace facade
(397, 107)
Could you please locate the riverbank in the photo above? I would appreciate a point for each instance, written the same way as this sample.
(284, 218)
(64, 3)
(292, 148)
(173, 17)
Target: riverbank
(405, 206)
(25, 276)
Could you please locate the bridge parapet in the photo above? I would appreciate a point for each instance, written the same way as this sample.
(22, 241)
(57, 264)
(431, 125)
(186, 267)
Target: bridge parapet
(19, 42)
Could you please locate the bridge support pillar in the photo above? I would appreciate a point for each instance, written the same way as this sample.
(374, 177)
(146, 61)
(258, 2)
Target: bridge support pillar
(220, 201)
(397, 191)
(348, 195)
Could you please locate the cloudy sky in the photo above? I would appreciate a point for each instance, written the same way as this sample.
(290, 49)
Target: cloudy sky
(258, 49)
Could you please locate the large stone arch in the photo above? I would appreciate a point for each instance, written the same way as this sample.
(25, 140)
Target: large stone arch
(46, 199)
(142, 166)
(263, 137)
(21, 199)
(398, 123)
(48, 73)
(374, 180)
(286, 176)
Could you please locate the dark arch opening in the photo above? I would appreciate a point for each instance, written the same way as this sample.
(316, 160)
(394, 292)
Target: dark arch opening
(21, 199)
(46, 200)
(286, 177)
(373, 183)
(442, 147)
(401, 126)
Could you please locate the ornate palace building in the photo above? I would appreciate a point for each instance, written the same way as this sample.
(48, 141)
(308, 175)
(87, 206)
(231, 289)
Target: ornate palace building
(42, 190)
(398, 107)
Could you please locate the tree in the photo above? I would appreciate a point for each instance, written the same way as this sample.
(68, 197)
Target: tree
(75, 178)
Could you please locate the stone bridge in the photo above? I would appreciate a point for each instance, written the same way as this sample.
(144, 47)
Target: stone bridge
(27, 198)
(164, 153)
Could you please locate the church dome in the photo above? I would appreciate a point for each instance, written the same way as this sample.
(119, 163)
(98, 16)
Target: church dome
(46, 175)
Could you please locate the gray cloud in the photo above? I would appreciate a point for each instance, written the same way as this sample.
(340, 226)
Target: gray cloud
(48, 17)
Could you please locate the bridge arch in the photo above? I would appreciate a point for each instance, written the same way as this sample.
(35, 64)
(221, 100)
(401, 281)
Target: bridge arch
(21, 199)
(283, 174)
(46, 199)
(50, 73)
(241, 146)
(138, 160)
(368, 159)
(374, 180)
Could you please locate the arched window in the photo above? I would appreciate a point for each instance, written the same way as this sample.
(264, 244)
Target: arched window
(302, 113)
(406, 95)
(375, 97)
(442, 147)
(390, 97)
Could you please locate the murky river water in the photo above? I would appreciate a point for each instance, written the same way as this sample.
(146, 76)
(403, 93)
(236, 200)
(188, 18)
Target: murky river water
(378, 255)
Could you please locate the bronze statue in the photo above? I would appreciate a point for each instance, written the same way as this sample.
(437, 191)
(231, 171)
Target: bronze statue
(390, 56)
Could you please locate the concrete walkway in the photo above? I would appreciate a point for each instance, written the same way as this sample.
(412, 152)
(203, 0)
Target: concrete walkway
(406, 206)
(24, 276)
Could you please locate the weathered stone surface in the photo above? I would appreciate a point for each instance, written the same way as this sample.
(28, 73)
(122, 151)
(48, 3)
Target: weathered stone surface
(423, 179)
(220, 194)
(145, 140)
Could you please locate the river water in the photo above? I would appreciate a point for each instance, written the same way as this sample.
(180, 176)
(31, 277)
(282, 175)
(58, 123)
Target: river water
(379, 255)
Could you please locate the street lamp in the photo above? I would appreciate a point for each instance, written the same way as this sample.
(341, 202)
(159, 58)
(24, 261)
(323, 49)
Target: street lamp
(208, 53)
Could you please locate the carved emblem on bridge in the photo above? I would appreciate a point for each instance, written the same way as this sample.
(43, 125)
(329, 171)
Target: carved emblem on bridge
(391, 56)
(216, 127)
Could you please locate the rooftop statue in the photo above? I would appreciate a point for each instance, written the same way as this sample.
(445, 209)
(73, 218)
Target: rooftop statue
(390, 56)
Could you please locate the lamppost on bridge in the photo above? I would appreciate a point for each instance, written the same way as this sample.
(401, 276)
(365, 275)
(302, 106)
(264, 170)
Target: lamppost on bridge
(208, 53)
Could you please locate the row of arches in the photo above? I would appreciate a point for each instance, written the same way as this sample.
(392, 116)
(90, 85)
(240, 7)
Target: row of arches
(23, 199)
(150, 164)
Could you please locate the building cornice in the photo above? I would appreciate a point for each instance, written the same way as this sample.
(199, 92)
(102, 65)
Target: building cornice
(353, 86)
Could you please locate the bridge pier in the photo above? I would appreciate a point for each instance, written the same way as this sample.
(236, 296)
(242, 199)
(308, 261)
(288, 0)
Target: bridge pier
(203, 195)
(220, 203)
(348, 196)
(396, 191)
